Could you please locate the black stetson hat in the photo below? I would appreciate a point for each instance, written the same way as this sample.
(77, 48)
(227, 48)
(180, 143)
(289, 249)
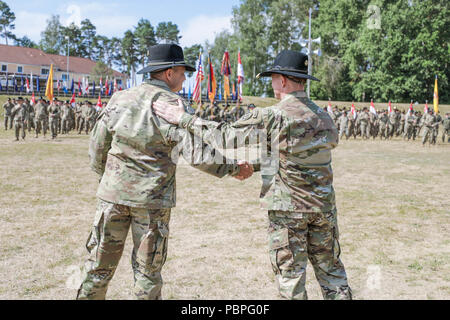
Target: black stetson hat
(290, 63)
(165, 56)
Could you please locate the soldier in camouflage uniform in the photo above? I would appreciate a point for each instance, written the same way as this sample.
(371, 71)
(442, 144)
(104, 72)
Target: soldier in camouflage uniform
(131, 149)
(8, 106)
(383, 124)
(392, 122)
(41, 116)
(410, 119)
(77, 116)
(54, 113)
(417, 124)
(343, 124)
(237, 112)
(91, 116)
(446, 127)
(298, 187)
(428, 122)
(65, 118)
(435, 131)
(20, 114)
(364, 119)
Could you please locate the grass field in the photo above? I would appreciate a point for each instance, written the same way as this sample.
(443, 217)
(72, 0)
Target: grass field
(393, 212)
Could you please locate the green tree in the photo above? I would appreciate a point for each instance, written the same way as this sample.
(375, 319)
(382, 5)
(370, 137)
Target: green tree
(52, 38)
(100, 70)
(25, 42)
(129, 52)
(145, 38)
(191, 54)
(167, 32)
(88, 35)
(74, 36)
(7, 18)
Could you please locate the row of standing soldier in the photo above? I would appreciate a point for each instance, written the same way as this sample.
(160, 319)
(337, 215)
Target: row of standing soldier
(57, 116)
(387, 125)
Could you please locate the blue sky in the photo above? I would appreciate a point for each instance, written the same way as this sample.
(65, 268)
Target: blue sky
(198, 20)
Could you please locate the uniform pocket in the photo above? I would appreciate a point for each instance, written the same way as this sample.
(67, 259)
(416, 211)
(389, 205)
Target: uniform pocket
(94, 236)
(336, 246)
(152, 252)
(280, 254)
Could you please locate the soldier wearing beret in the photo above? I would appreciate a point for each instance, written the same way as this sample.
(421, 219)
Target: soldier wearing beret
(297, 186)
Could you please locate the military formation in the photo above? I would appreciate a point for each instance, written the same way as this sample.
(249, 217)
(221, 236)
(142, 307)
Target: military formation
(55, 117)
(407, 125)
(226, 113)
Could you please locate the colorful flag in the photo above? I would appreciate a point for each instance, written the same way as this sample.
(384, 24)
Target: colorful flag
(58, 85)
(226, 71)
(198, 82)
(49, 87)
(106, 87)
(72, 87)
(372, 107)
(425, 110)
(33, 99)
(436, 96)
(220, 91)
(389, 107)
(79, 87)
(28, 86)
(353, 111)
(86, 86)
(101, 85)
(189, 91)
(329, 109)
(99, 102)
(93, 87)
(31, 82)
(211, 82)
(240, 74)
(410, 110)
(72, 101)
(233, 87)
(22, 86)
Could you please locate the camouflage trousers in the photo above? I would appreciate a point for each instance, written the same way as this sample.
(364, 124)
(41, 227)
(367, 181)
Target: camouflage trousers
(19, 126)
(427, 133)
(365, 130)
(40, 124)
(296, 237)
(445, 132)
(10, 120)
(53, 124)
(150, 231)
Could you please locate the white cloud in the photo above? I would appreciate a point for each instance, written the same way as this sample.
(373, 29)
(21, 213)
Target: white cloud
(30, 24)
(202, 28)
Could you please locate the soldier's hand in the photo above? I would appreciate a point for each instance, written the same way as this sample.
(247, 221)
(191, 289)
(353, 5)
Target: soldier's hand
(168, 112)
(245, 170)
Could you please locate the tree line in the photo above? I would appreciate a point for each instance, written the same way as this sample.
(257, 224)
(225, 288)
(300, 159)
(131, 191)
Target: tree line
(371, 49)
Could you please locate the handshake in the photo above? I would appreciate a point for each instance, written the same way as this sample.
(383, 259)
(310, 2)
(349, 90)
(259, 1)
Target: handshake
(245, 170)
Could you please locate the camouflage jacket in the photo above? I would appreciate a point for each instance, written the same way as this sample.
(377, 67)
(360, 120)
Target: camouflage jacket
(54, 111)
(364, 117)
(302, 179)
(132, 149)
(20, 112)
(8, 106)
(40, 110)
(429, 120)
(446, 123)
